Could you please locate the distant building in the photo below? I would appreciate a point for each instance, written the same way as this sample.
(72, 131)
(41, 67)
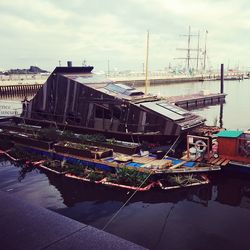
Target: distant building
(31, 70)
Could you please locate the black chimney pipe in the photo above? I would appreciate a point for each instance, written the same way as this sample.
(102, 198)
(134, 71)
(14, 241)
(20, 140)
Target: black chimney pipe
(69, 63)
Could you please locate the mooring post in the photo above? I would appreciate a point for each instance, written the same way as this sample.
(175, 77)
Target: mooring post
(222, 78)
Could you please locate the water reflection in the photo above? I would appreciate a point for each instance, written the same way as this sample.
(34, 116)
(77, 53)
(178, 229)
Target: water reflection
(234, 191)
(24, 170)
(225, 188)
(160, 213)
(221, 115)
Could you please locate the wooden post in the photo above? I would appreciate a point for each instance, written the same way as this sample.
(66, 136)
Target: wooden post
(146, 79)
(221, 115)
(222, 78)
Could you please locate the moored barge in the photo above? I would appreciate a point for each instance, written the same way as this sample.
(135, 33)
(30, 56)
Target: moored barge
(83, 102)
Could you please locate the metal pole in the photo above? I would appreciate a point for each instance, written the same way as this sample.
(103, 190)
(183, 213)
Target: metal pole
(222, 78)
(146, 79)
(198, 52)
(205, 51)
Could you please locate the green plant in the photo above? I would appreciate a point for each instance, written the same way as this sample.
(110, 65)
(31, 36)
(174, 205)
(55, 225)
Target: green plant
(111, 141)
(92, 138)
(22, 154)
(128, 176)
(75, 145)
(67, 135)
(95, 176)
(56, 165)
(176, 180)
(190, 178)
(77, 170)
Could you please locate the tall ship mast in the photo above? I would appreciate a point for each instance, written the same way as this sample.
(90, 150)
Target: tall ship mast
(189, 50)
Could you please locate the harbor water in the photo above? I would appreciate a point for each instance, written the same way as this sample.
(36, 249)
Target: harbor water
(235, 112)
(213, 216)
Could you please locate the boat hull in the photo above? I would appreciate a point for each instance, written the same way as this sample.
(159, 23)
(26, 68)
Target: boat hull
(239, 167)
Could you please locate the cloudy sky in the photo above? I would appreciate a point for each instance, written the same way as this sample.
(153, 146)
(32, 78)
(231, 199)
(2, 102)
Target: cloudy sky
(42, 32)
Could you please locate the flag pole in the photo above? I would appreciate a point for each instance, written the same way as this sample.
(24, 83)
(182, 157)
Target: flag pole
(146, 78)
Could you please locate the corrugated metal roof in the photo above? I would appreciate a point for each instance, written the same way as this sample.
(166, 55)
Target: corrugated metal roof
(155, 107)
(123, 89)
(173, 108)
(230, 133)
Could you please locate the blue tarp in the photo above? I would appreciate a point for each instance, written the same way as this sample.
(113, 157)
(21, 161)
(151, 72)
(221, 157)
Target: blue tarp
(177, 161)
(134, 164)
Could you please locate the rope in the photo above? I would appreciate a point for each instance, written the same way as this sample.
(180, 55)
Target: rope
(171, 147)
(164, 225)
(118, 211)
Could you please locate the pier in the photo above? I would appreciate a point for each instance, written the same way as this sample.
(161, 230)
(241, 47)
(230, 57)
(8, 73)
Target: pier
(21, 84)
(19, 90)
(155, 78)
(197, 100)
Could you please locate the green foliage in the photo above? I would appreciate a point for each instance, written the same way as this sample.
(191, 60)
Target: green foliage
(75, 145)
(96, 176)
(92, 138)
(183, 180)
(67, 135)
(77, 170)
(176, 180)
(128, 176)
(111, 141)
(60, 166)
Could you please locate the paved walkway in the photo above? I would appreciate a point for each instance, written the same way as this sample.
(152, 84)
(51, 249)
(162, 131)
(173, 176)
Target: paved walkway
(24, 226)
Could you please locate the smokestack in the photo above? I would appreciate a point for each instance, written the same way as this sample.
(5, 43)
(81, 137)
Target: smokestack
(69, 64)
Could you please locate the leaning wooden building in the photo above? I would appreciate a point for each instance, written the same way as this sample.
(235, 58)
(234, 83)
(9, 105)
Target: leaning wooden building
(75, 98)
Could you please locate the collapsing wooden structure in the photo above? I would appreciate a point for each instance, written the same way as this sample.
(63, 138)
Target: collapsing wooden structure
(88, 103)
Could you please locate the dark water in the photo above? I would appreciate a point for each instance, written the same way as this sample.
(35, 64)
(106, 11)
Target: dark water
(216, 216)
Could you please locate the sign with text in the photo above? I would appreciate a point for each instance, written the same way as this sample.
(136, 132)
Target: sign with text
(10, 108)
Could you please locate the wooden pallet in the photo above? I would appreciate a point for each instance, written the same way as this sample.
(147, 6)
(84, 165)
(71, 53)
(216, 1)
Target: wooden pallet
(225, 163)
(218, 161)
(143, 160)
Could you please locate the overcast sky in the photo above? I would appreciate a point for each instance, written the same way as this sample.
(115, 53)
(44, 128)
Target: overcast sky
(42, 32)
